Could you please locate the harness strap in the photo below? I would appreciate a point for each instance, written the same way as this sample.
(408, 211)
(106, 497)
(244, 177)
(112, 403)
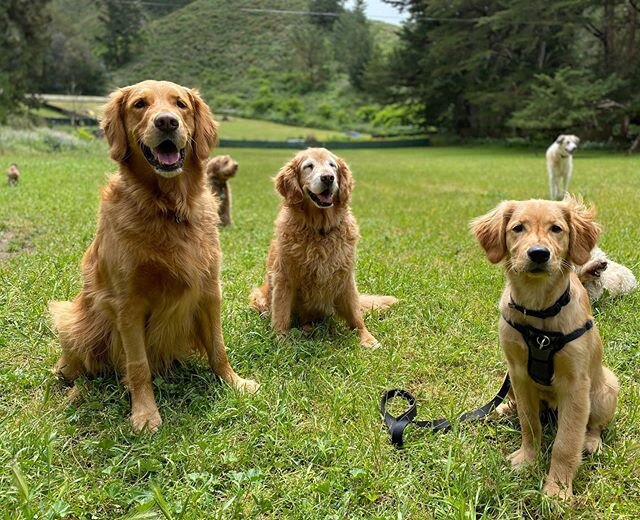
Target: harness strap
(543, 345)
(397, 424)
(549, 312)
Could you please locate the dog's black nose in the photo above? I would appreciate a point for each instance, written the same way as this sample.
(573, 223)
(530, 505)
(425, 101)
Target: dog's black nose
(166, 122)
(538, 254)
(327, 180)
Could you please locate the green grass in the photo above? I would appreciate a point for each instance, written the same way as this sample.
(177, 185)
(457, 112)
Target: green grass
(241, 128)
(310, 444)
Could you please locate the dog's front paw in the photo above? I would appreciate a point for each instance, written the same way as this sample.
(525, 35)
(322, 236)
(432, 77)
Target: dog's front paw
(555, 490)
(521, 458)
(146, 419)
(246, 386)
(367, 340)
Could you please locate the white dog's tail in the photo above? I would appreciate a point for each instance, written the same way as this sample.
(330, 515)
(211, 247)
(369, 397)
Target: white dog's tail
(371, 302)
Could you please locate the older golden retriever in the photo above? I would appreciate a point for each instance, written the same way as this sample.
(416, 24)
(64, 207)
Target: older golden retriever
(151, 289)
(219, 170)
(312, 258)
(546, 309)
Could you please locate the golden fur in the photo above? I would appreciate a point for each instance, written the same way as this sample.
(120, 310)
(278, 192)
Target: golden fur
(13, 174)
(151, 289)
(311, 260)
(219, 170)
(583, 390)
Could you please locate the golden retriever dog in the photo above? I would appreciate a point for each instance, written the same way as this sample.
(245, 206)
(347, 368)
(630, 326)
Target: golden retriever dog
(560, 164)
(311, 260)
(546, 310)
(151, 277)
(13, 174)
(219, 170)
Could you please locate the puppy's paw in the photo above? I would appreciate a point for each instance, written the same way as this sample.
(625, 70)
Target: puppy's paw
(592, 444)
(148, 420)
(555, 490)
(521, 458)
(506, 408)
(246, 386)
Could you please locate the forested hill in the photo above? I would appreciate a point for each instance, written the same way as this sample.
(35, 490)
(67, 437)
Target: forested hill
(285, 66)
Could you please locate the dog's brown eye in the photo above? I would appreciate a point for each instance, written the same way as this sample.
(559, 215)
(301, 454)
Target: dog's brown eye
(556, 229)
(181, 104)
(519, 228)
(332, 165)
(308, 165)
(140, 104)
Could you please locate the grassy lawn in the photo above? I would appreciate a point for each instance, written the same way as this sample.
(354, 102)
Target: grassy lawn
(310, 444)
(240, 128)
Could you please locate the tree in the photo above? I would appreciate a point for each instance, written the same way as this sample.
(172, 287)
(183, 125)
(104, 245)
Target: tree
(353, 43)
(310, 56)
(331, 7)
(122, 23)
(23, 40)
(71, 68)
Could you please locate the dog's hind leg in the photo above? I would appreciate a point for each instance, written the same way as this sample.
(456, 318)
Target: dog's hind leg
(603, 405)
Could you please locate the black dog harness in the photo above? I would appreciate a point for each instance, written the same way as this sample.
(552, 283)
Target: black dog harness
(544, 344)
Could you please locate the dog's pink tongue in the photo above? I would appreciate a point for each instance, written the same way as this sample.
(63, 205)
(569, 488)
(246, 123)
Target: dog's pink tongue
(167, 158)
(325, 198)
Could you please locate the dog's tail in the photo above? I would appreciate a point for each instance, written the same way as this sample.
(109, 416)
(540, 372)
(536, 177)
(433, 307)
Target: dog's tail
(80, 330)
(371, 302)
(258, 300)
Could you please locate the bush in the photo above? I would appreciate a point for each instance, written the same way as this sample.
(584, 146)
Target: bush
(39, 139)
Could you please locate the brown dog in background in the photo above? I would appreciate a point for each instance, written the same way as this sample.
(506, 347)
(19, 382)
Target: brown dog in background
(13, 174)
(151, 288)
(540, 241)
(312, 258)
(219, 170)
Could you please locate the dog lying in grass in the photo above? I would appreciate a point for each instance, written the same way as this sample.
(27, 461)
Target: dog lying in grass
(151, 277)
(219, 170)
(312, 258)
(13, 174)
(601, 275)
(546, 310)
(560, 164)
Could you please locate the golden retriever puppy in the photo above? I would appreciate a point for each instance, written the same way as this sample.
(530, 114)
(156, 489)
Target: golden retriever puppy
(312, 258)
(219, 170)
(151, 277)
(553, 349)
(13, 174)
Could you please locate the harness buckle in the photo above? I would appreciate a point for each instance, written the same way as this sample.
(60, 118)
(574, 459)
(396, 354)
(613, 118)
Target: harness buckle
(543, 341)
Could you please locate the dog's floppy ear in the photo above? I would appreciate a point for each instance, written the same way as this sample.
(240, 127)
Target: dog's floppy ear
(583, 230)
(560, 139)
(205, 135)
(490, 230)
(345, 182)
(113, 125)
(288, 184)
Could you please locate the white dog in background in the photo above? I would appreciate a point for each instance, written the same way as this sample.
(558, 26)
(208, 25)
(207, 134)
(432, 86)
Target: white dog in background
(601, 274)
(560, 164)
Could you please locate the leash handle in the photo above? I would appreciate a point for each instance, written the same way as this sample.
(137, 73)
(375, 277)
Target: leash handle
(397, 424)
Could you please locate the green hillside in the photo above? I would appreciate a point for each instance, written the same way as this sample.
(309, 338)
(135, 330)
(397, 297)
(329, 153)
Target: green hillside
(215, 45)
(244, 62)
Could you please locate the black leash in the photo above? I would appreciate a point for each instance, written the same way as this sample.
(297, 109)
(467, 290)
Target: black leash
(397, 425)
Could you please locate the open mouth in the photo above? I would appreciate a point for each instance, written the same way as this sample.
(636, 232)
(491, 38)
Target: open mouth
(166, 158)
(323, 199)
